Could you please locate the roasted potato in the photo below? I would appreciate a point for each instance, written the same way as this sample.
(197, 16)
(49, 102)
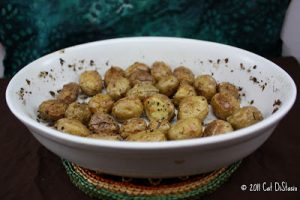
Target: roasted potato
(184, 90)
(72, 126)
(193, 106)
(142, 91)
(185, 129)
(206, 86)
(114, 72)
(160, 69)
(224, 105)
(69, 93)
(127, 108)
(184, 75)
(159, 107)
(79, 111)
(102, 123)
(101, 103)
(105, 136)
(217, 127)
(132, 126)
(245, 117)
(137, 66)
(229, 88)
(163, 126)
(140, 76)
(117, 88)
(167, 85)
(147, 136)
(52, 110)
(90, 82)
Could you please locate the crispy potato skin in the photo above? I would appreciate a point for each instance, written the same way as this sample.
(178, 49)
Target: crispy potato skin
(226, 87)
(105, 137)
(168, 85)
(163, 126)
(159, 107)
(118, 88)
(193, 106)
(184, 75)
(206, 86)
(185, 129)
(127, 108)
(102, 123)
(69, 93)
(147, 136)
(79, 111)
(113, 73)
(90, 82)
(142, 91)
(141, 76)
(245, 117)
(102, 103)
(137, 66)
(217, 127)
(224, 105)
(72, 126)
(52, 110)
(160, 69)
(132, 126)
(184, 90)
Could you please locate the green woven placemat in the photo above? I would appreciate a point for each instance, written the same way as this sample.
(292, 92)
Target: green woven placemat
(103, 186)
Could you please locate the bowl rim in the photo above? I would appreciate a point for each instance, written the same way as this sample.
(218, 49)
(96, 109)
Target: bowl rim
(69, 139)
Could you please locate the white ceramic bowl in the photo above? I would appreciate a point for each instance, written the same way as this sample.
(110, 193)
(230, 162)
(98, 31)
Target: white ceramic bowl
(156, 159)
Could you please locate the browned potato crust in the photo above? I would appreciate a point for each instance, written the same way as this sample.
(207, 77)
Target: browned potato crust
(105, 136)
(140, 76)
(112, 73)
(160, 69)
(193, 106)
(79, 111)
(52, 110)
(69, 93)
(185, 129)
(132, 126)
(101, 103)
(117, 88)
(137, 66)
(224, 105)
(163, 126)
(229, 88)
(127, 108)
(168, 85)
(184, 75)
(147, 136)
(72, 126)
(90, 82)
(245, 117)
(102, 123)
(184, 90)
(159, 107)
(217, 127)
(206, 86)
(142, 91)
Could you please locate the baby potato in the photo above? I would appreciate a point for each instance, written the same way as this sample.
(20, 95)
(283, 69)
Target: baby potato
(224, 105)
(184, 90)
(167, 85)
(90, 82)
(184, 74)
(141, 76)
(102, 123)
(245, 117)
(193, 106)
(72, 126)
(127, 108)
(137, 66)
(132, 126)
(52, 110)
(105, 136)
(160, 69)
(159, 107)
(142, 91)
(101, 103)
(117, 88)
(163, 126)
(69, 93)
(79, 111)
(114, 72)
(206, 86)
(229, 88)
(185, 129)
(147, 136)
(217, 127)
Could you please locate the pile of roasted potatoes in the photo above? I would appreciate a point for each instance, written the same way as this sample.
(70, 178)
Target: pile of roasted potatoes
(139, 103)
